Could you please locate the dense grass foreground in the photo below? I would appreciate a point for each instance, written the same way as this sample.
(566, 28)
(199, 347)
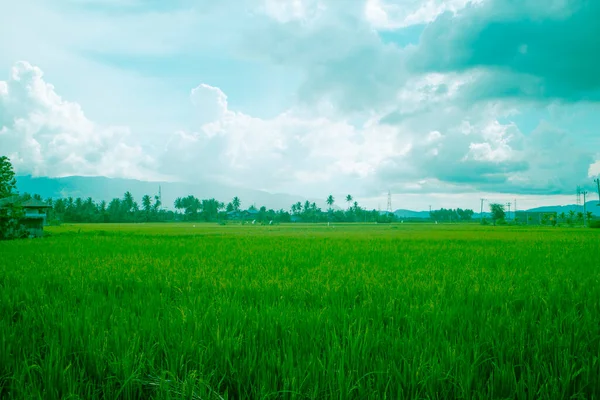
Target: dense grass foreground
(398, 312)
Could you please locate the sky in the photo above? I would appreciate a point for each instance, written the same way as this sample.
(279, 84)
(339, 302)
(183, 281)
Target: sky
(440, 102)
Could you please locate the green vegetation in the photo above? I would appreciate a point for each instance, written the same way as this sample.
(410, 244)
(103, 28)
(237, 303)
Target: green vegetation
(170, 311)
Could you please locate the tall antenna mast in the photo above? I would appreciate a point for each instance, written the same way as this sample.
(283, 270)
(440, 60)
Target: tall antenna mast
(584, 210)
(508, 206)
(578, 195)
(597, 180)
(389, 203)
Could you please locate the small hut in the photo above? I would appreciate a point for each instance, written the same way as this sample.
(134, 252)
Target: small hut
(33, 217)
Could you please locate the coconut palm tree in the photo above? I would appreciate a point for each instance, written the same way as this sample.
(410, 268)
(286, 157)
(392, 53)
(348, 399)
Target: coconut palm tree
(562, 216)
(236, 203)
(330, 200)
(349, 200)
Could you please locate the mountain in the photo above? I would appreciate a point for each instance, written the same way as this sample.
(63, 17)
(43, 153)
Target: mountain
(590, 206)
(101, 188)
(401, 213)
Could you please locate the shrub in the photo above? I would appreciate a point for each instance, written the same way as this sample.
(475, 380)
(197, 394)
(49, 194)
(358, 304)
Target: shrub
(595, 224)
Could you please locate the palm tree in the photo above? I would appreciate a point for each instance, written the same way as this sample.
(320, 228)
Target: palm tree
(349, 200)
(236, 203)
(147, 203)
(147, 206)
(562, 216)
(589, 215)
(330, 200)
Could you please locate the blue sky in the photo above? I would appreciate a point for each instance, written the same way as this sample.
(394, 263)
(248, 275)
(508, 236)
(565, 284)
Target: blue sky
(439, 101)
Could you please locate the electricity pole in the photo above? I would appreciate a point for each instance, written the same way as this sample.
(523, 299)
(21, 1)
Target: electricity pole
(597, 180)
(508, 206)
(584, 193)
(481, 212)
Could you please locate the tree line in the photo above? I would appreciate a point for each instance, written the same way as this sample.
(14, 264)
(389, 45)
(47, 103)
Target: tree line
(127, 209)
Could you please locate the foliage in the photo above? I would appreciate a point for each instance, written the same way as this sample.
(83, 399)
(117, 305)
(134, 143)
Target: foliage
(300, 311)
(8, 183)
(451, 215)
(497, 211)
(10, 214)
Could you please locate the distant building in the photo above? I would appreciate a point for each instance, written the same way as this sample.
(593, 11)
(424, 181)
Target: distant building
(242, 215)
(536, 217)
(34, 216)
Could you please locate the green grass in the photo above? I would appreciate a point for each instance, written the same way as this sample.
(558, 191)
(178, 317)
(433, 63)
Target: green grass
(301, 311)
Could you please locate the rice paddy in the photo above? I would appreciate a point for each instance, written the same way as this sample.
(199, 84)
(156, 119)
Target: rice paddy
(174, 311)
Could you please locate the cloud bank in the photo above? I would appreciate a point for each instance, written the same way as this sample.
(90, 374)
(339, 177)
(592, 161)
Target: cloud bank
(481, 101)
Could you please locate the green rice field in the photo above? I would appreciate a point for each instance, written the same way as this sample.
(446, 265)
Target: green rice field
(177, 311)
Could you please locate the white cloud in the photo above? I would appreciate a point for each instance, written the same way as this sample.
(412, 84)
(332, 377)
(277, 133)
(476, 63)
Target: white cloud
(594, 169)
(439, 149)
(387, 14)
(293, 10)
(46, 135)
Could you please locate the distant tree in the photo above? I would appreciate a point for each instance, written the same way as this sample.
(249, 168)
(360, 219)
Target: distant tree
(464, 215)
(306, 206)
(562, 216)
(229, 207)
(9, 216)
(497, 211)
(349, 200)
(589, 216)
(330, 201)
(147, 206)
(296, 208)
(8, 183)
(236, 203)
(570, 217)
(580, 217)
(178, 204)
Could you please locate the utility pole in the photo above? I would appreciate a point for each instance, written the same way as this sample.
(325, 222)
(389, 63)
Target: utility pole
(597, 180)
(481, 212)
(515, 209)
(584, 207)
(508, 206)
